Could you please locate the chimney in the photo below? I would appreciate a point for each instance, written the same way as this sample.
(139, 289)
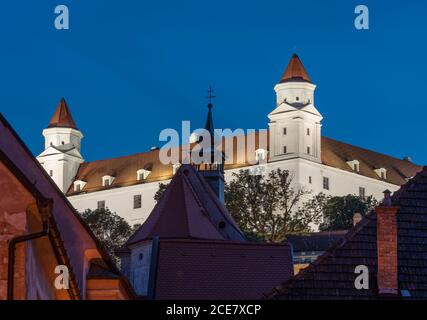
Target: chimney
(357, 217)
(387, 271)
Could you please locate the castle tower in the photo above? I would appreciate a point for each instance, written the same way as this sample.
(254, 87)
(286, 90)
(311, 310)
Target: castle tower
(61, 157)
(295, 123)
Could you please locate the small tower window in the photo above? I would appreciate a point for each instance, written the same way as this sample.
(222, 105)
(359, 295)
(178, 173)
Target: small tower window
(285, 149)
(308, 150)
(309, 180)
(284, 131)
(51, 173)
(308, 131)
(297, 98)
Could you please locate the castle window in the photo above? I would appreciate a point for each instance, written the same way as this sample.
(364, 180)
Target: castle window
(261, 155)
(101, 205)
(325, 183)
(285, 149)
(354, 165)
(284, 131)
(309, 180)
(362, 192)
(381, 172)
(142, 174)
(107, 181)
(79, 185)
(308, 131)
(137, 201)
(308, 150)
(51, 173)
(297, 98)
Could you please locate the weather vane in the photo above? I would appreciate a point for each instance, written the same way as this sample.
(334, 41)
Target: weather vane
(210, 94)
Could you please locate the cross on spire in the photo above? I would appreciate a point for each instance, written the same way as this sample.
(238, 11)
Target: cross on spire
(210, 95)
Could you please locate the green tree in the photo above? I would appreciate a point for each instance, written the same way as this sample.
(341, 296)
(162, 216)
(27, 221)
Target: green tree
(269, 205)
(110, 229)
(338, 211)
(160, 191)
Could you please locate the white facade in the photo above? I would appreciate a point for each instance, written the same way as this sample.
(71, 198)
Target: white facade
(121, 200)
(295, 145)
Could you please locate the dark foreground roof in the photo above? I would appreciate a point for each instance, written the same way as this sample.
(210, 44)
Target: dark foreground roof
(316, 241)
(212, 270)
(332, 275)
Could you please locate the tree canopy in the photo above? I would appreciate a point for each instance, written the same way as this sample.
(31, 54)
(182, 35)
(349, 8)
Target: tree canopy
(110, 229)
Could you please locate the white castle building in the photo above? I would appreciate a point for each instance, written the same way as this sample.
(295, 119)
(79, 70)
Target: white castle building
(127, 184)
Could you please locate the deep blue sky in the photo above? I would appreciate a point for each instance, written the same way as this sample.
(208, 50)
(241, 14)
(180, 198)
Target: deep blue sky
(128, 69)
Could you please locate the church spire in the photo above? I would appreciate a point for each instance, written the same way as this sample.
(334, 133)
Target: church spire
(209, 120)
(295, 71)
(213, 171)
(62, 117)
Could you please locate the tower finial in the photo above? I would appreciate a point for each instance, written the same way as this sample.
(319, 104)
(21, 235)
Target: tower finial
(210, 96)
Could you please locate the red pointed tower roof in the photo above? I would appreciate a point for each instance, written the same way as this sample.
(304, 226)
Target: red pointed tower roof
(295, 71)
(62, 117)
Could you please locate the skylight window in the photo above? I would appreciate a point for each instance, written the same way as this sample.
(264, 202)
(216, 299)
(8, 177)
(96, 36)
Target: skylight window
(354, 165)
(79, 185)
(381, 172)
(107, 180)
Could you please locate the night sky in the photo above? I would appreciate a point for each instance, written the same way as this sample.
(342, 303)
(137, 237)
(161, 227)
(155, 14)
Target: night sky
(129, 69)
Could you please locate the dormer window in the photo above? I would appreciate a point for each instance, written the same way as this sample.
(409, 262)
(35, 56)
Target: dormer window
(142, 174)
(107, 181)
(261, 155)
(354, 165)
(381, 172)
(175, 167)
(79, 185)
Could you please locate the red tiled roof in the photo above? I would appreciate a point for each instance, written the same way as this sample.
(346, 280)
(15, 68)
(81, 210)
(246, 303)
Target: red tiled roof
(62, 117)
(212, 270)
(295, 71)
(334, 154)
(332, 275)
(188, 209)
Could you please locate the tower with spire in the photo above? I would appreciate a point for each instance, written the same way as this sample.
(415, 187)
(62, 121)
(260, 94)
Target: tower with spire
(61, 157)
(213, 168)
(295, 123)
